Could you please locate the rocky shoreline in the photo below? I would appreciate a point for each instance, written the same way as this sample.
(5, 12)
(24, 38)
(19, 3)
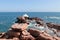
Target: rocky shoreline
(34, 28)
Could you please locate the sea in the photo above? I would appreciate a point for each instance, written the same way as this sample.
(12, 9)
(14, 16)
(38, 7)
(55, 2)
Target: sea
(8, 18)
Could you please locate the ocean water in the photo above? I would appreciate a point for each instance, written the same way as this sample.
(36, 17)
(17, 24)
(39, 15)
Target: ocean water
(8, 18)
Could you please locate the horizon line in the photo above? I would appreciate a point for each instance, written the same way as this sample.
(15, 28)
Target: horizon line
(15, 11)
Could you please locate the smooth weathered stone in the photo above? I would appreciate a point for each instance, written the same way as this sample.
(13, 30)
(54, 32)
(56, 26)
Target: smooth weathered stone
(20, 26)
(34, 32)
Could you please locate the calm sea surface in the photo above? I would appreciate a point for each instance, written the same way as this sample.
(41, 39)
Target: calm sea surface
(8, 18)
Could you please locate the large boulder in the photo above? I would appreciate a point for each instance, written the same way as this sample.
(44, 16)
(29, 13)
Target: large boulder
(44, 36)
(22, 26)
(34, 32)
(11, 34)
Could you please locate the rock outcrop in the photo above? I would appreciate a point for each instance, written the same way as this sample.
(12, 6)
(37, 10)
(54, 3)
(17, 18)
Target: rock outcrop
(18, 31)
(38, 35)
(53, 25)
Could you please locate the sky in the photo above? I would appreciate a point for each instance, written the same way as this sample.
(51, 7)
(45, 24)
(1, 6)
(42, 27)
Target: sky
(29, 5)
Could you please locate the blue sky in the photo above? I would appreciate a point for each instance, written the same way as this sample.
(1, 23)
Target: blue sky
(29, 5)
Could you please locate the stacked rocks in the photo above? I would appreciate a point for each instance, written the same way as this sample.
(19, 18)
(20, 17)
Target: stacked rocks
(18, 31)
